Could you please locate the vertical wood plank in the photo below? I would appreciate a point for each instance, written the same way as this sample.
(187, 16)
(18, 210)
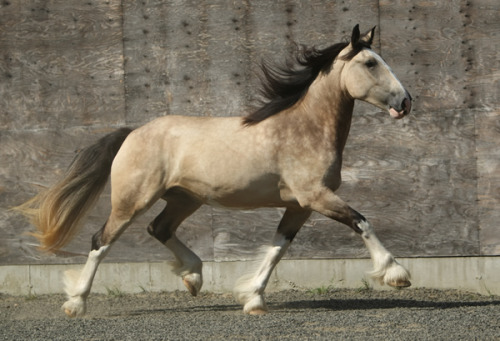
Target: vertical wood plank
(488, 161)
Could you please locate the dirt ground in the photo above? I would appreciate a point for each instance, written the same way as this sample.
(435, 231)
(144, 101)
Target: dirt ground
(321, 314)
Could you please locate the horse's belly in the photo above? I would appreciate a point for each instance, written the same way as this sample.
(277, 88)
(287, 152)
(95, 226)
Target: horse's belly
(261, 192)
(246, 200)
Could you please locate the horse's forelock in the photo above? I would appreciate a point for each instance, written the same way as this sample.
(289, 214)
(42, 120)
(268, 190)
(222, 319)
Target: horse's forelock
(355, 49)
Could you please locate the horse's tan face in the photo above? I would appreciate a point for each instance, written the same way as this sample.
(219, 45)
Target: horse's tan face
(368, 78)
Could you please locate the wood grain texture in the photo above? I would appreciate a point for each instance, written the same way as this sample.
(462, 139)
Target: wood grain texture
(61, 64)
(488, 161)
(72, 71)
(483, 46)
(423, 41)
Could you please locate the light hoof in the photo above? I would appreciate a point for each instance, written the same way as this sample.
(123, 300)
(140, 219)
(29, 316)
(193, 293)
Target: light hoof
(397, 276)
(258, 311)
(255, 306)
(400, 284)
(74, 307)
(190, 287)
(193, 283)
(70, 313)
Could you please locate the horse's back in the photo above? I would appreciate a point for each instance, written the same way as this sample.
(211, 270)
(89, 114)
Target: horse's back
(218, 160)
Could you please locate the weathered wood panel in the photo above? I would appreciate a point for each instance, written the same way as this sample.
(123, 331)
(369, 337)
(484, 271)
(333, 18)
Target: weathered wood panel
(71, 71)
(61, 64)
(36, 158)
(488, 162)
(61, 70)
(429, 36)
(482, 38)
(483, 86)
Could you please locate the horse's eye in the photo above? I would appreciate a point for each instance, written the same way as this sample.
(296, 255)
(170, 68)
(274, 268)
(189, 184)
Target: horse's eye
(371, 63)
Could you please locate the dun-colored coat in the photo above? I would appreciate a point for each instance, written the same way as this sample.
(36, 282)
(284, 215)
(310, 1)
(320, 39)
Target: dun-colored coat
(286, 154)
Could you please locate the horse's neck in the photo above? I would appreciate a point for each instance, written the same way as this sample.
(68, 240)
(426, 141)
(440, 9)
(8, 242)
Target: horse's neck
(328, 110)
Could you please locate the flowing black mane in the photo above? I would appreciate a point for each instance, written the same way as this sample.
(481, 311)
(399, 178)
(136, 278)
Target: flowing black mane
(284, 85)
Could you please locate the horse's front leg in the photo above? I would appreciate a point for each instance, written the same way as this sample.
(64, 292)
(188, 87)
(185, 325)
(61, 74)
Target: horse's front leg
(250, 288)
(386, 269)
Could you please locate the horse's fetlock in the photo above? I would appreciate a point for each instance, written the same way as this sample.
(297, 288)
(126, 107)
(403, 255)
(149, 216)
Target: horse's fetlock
(364, 228)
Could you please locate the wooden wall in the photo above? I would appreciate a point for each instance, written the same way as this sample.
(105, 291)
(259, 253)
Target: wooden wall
(71, 71)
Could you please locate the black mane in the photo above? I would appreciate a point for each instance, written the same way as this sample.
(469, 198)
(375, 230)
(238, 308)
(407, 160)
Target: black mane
(284, 85)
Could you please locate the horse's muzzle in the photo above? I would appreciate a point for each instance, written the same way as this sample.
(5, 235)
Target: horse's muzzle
(405, 108)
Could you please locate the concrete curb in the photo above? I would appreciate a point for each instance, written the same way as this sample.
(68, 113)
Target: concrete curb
(475, 274)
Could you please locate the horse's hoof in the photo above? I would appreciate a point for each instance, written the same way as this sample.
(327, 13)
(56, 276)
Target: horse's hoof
(74, 308)
(191, 288)
(255, 306)
(70, 313)
(258, 311)
(400, 284)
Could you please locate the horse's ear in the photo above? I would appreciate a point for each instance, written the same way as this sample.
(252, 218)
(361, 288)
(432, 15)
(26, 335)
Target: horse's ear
(368, 36)
(355, 35)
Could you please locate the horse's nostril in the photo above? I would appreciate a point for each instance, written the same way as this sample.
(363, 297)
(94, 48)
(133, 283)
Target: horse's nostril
(406, 105)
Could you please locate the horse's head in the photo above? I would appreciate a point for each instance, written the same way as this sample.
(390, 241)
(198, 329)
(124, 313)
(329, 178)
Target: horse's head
(367, 77)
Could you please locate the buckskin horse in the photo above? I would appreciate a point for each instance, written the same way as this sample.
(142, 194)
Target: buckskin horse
(287, 153)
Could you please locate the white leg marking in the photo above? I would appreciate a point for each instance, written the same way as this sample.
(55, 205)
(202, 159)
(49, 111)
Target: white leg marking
(78, 283)
(386, 269)
(249, 289)
(188, 265)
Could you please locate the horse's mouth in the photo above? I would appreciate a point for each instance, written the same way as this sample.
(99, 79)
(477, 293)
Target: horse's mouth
(405, 109)
(397, 114)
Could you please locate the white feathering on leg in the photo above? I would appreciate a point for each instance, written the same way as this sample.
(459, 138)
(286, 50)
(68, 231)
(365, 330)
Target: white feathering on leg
(78, 283)
(249, 289)
(386, 269)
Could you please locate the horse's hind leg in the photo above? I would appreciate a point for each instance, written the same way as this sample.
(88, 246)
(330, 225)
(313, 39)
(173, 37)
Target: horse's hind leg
(188, 265)
(125, 207)
(78, 283)
(250, 289)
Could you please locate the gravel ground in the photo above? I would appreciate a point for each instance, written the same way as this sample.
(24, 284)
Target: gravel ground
(322, 314)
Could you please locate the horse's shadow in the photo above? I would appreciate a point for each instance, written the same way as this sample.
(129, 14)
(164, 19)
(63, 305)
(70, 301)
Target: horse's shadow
(176, 310)
(370, 304)
(319, 304)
